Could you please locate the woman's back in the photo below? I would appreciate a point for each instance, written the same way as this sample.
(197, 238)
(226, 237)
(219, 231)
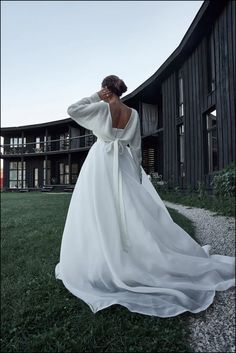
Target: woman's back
(120, 115)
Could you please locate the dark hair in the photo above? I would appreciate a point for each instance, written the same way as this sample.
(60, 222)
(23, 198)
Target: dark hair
(114, 84)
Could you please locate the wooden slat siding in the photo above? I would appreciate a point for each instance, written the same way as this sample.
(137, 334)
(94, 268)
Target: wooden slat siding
(233, 26)
(189, 127)
(168, 128)
(232, 72)
(200, 104)
(222, 72)
(199, 120)
(218, 95)
(186, 109)
(194, 120)
(165, 117)
(227, 90)
(231, 77)
(163, 88)
(186, 114)
(172, 127)
(197, 113)
(204, 75)
(140, 111)
(168, 135)
(190, 118)
(189, 130)
(175, 114)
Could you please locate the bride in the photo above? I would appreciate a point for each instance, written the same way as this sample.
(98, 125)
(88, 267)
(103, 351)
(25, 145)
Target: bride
(120, 244)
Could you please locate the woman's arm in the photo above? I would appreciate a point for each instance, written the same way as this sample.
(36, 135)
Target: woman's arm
(87, 109)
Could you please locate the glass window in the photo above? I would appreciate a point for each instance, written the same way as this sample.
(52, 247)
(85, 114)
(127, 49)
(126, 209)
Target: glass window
(61, 168)
(180, 94)
(211, 141)
(37, 142)
(181, 149)
(88, 138)
(17, 174)
(66, 179)
(64, 141)
(13, 165)
(47, 143)
(36, 177)
(64, 173)
(13, 184)
(13, 174)
(15, 141)
(47, 172)
(75, 168)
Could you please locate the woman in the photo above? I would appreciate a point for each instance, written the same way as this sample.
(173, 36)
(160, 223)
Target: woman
(120, 244)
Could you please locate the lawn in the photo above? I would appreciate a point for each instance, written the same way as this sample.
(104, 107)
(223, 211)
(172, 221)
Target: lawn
(224, 206)
(40, 315)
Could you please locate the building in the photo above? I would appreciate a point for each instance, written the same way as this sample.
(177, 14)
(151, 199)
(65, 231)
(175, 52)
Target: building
(49, 154)
(187, 112)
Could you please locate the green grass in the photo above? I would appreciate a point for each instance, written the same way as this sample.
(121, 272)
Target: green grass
(222, 206)
(40, 315)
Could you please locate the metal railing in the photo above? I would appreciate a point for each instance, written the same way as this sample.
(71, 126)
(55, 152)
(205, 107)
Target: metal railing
(66, 144)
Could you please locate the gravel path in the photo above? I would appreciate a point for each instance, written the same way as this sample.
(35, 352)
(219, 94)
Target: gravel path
(213, 330)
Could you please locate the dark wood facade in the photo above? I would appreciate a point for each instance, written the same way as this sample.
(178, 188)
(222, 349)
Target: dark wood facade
(44, 155)
(205, 60)
(187, 112)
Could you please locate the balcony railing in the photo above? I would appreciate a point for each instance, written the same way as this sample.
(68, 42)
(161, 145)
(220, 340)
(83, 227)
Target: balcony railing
(72, 143)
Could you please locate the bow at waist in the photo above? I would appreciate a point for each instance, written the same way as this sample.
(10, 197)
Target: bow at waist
(118, 148)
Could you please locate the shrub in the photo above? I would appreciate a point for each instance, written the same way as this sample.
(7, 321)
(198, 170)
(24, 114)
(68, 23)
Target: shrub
(223, 182)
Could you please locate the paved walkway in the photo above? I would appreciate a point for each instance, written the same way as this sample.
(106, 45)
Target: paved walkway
(213, 330)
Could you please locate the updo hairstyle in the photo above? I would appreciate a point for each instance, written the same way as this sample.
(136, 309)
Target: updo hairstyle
(114, 84)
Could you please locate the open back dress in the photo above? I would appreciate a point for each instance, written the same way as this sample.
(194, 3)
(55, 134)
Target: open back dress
(120, 244)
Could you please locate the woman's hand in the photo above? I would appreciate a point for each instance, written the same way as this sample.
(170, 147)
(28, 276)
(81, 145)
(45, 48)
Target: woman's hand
(105, 94)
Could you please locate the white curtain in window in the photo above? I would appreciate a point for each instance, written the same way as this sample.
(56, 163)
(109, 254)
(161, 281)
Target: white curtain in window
(150, 118)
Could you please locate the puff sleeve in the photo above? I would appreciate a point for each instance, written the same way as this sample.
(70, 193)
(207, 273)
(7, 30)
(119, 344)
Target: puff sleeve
(87, 111)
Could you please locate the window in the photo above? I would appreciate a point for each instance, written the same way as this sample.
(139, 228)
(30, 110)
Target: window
(46, 172)
(36, 177)
(37, 145)
(74, 172)
(149, 160)
(47, 143)
(210, 63)
(64, 173)
(181, 154)
(88, 138)
(17, 175)
(180, 95)
(16, 144)
(149, 118)
(211, 142)
(64, 141)
(37, 139)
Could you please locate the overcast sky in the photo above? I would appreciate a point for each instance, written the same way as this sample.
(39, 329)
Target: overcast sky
(57, 52)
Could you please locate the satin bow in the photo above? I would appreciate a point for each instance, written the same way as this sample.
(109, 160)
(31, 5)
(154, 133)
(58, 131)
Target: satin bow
(118, 148)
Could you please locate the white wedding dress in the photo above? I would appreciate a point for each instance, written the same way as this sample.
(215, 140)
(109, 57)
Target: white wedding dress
(120, 244)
